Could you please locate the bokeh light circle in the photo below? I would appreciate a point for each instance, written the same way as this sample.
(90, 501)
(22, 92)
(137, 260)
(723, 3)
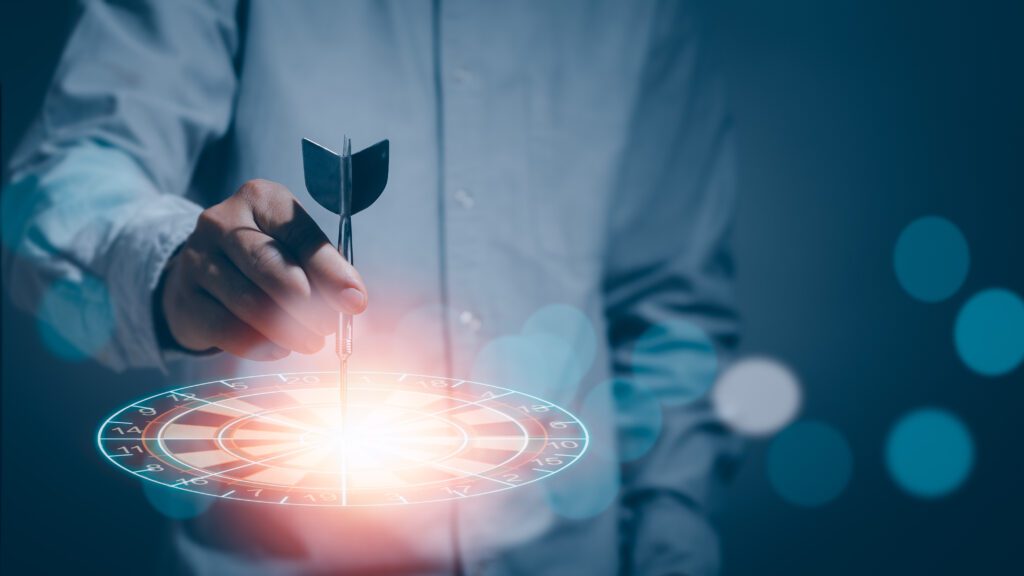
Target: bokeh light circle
(931, 259)
(929, 453)
(757, 396)
(541, 362)
(571, 326)
(989, 332)
(809, 463)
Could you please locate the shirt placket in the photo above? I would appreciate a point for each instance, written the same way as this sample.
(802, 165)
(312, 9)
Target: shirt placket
(461, 200)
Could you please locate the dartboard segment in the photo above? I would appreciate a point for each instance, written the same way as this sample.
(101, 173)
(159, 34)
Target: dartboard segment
(280, 439)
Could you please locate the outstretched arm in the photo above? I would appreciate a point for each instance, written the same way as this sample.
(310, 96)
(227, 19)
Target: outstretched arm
(96, 203)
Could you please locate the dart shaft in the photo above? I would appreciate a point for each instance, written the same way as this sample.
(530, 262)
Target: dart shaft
(344, 339)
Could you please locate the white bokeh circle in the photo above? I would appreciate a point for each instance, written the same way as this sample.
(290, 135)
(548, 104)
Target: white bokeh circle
(757, 396)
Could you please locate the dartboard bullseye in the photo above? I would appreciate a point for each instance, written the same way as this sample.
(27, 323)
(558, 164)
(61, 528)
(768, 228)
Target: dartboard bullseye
(279, 438)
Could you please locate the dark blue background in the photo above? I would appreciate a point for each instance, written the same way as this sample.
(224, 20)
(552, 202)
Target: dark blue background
(854, 118)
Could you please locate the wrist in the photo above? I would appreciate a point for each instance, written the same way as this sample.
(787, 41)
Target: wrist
(164, 338)
(164, 335)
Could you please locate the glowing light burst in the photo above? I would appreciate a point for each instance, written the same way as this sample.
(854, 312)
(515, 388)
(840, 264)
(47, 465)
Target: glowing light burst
(279, 438)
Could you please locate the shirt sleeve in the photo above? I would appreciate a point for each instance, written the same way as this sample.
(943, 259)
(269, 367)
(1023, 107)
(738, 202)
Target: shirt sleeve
(669, 297)
(96, 202)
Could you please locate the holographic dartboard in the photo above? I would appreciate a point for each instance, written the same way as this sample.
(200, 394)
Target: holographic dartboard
(279, 439)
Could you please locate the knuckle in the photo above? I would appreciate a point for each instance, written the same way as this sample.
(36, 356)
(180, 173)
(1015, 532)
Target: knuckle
(258, 191)
(212, 271)
(252, 301)
(299, 290)
(216, 222)
(266, 258)
(209, 226)
(270, 262)
(208, 220)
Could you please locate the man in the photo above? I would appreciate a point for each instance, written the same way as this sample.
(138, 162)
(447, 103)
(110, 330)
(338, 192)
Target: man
(573, 153)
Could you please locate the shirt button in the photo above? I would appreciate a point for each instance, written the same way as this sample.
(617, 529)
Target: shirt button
(464, 198)
(469, 320)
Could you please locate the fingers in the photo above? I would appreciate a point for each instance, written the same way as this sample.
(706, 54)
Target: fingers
(268, 265)
(257, 278)
(277, 213)
(222, 280)
(208, 324)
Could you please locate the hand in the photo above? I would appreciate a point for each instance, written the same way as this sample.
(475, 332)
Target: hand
(258, 278)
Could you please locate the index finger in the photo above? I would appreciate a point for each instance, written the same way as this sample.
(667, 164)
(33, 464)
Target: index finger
(279, 215)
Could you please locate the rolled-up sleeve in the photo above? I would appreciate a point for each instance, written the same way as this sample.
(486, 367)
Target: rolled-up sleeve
(96, 201)
(669, 272)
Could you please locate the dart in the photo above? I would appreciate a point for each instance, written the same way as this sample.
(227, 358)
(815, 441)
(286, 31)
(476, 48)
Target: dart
(345, 184)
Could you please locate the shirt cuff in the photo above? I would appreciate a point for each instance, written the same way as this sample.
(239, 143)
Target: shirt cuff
(140, 255)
